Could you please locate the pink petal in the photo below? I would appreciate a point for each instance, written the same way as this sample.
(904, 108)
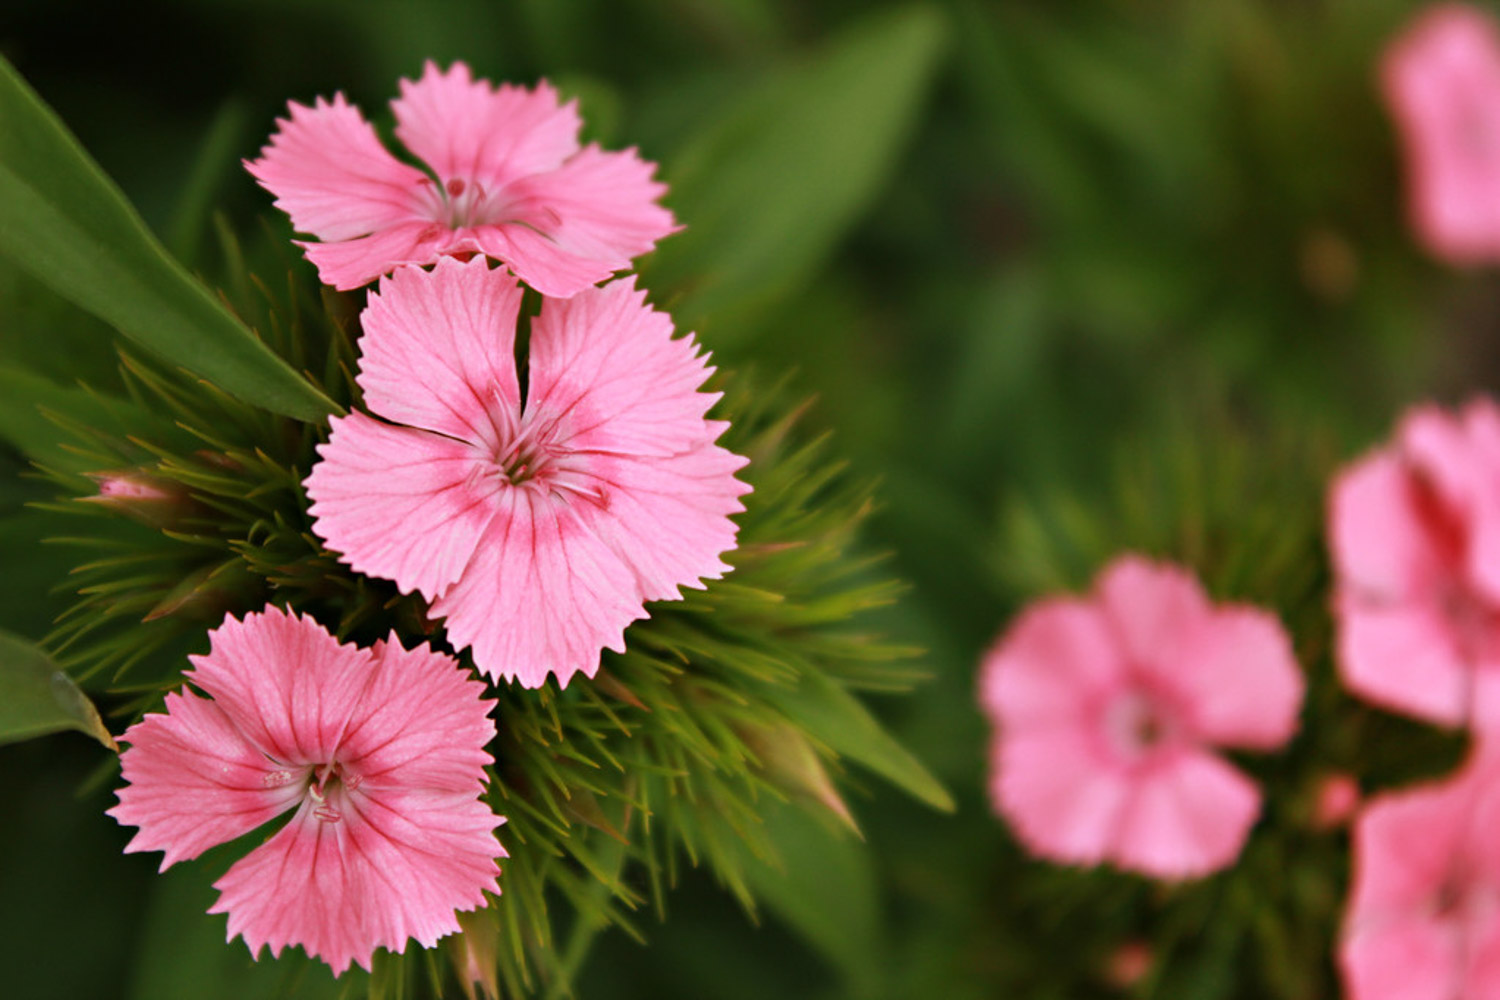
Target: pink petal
(401, 504)
(1382, 538)
(330, 173)
(606, 364)
(1404, 658)
(421, 724)
(668, 518)
(1405, 845)
(393, 866)
(1063, 800)
(1239, 680)
(195, 782)
(1440, 78)
(1186, 818)
(542, 594)
(438, 350)
(580, 223)
(286, 684)
(475, 132)
(1050, 665)
(355, 263)
(1151, 606)
(1409, 957)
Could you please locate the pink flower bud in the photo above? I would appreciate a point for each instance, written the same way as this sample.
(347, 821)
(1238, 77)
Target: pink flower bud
(1128, 964)
(141, 496)
(1337, 799)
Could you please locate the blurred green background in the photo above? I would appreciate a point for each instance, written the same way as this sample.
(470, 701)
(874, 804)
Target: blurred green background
(1004, 244)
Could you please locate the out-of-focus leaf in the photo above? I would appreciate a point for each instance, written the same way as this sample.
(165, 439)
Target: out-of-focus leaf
(838, 718)
(31, 406)
(36, 698)
(769, 192)
(181, 948)
(66, 223)
(825, 889)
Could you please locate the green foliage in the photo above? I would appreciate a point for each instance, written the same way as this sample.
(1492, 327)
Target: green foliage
(37, 698)
(64, 221)
(770, 187)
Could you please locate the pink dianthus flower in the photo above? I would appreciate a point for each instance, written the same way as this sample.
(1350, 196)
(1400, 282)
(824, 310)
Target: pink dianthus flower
(1414, 529)
(1441, 78)
(378, 754)
(538, 527)
(1108, 708)
(512, 182)
(1423, 917)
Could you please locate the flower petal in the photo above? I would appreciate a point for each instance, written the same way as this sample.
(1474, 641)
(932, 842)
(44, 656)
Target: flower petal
(1384, 541)
(577, 225)
(354, 263)
(284, 682)
(438, 350)
(605, 367)
(421, 724)
(1241, 683)
(1151, 606)
(1050, 665)
(542, 594)
(472, 131)
(390, 867)
(1404, 658)
(1405, 845)
(668, 518)
(330, 173)
(195, 782)
(401, 504)
(1186, 818)
(1061, 798)
(1411, 956)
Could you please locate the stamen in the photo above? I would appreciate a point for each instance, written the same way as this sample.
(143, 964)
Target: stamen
(456, 187)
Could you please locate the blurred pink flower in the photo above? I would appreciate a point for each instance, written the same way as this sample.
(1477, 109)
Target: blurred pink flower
(1423, 916)
(512, 182)
(1414, 529)
(1107, 708)
(379, 755)
(536, 528)
(1441, 78)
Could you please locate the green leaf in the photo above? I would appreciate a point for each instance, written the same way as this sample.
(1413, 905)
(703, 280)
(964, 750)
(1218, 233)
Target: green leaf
(64, 221)
(825, 888)
(768, 193)
(838, 718)
(31, 406)
(36, 698)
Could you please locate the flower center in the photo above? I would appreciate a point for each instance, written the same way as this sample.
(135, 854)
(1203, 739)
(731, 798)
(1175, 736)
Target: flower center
(459, 203)
(327, 789)
(531, 456)
(1136, 723)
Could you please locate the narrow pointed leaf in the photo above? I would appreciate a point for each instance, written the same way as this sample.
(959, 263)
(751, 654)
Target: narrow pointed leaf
(65, 222)
(838, 718)
(36, 698)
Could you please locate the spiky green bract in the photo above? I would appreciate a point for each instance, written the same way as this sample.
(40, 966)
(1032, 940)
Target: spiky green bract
(611, 784)
(1242, 506)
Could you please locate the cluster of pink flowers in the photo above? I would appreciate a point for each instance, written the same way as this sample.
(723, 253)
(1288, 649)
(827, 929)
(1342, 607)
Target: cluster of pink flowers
(1414, 529)
(536, 513)
(1106, 709)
